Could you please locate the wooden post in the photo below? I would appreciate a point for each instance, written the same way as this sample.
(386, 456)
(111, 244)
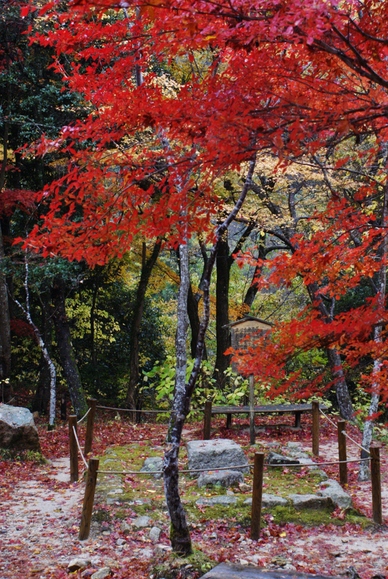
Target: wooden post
(87, 507)
(207, 419)
(343, 467)
(92, 402)
(257, 494)
(73, 448)
(376, 483)
(252, 433)
(315, 408)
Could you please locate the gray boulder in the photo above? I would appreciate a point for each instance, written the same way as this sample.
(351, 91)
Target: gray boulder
(269, 501)
(153, 465)
(17, 429)
(220, 500)
(332, 489)
(225, 478)
(310, 501)
(275, 458)
(215, 454)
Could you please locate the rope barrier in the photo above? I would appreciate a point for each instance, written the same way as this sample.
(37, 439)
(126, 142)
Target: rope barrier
(135, 410)
(83, 418)
(327, 418)
(237, 467)
(344, 432)
(354, 441)
(189, 470)
(79, 448)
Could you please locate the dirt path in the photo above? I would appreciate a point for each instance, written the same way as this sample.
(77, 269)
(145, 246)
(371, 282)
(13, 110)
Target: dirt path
(39, 536)
(37, 527)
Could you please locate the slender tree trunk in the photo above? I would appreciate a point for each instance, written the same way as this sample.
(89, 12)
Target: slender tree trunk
(42, 395)
(252, 290)
(342, 391)
(222, 312)
(180, 535)
(5, 325)
(65, 349)
(138, 310)
(364, 472)
(50, 364)
(341, 388)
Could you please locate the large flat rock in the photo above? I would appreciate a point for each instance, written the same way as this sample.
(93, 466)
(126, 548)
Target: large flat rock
(215, 454)
(230, 571)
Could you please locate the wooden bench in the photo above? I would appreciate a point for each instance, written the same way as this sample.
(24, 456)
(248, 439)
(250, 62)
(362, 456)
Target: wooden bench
(296, 409)
(233, 571)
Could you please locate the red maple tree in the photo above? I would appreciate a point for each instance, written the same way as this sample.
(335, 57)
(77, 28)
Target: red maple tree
(181, 91)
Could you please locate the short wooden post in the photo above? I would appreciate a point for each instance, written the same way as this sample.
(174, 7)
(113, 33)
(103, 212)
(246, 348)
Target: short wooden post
(315, 433)
(73, 448)
(257, 495)
(207, 419)
(252, 433)
(342, 457)
(90, 425)
(376, 483)
(87, 508)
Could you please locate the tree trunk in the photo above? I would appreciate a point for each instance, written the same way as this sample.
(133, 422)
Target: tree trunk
(222, 312)
(341, 388)
(65, 349)
(41, 398)
(364, 473)
(179, 535)
(5, 327)
(146, 270)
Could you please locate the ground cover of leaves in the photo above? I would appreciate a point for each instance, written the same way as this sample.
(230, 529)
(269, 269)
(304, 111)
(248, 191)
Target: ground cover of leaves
(39, 520)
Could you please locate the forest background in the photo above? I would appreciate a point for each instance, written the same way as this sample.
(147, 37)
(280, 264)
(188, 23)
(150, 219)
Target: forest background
(145, 142)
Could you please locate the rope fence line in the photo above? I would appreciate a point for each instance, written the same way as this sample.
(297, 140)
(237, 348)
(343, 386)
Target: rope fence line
(354, 441)
(344, 432)
(79, 448)
(84, 416)
(258, 468)
(132, 410)
(237, 467)
(147, 411)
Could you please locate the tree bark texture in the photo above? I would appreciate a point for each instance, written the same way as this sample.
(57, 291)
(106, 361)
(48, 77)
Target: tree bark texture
(138, 310)
(222, 311)
(179, 535)
(66, 351)
(341, 388)
(5, 326)
(41, 399)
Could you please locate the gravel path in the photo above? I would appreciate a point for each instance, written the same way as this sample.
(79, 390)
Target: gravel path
(39, 535)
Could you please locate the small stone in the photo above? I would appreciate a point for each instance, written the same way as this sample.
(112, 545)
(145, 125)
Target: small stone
(125, 527)
(219, 500)
(120, 542)
(78, 563)
(141, 522)
(153, 464)
(225, 478)
(146, 553)
(155, 534)
(102, 573)
(275, 458)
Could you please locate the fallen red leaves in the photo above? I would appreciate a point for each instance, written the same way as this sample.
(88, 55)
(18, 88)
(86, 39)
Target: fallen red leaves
(50, 541)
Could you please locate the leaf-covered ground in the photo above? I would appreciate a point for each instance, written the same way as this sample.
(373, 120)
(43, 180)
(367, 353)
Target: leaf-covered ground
(41, 509)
